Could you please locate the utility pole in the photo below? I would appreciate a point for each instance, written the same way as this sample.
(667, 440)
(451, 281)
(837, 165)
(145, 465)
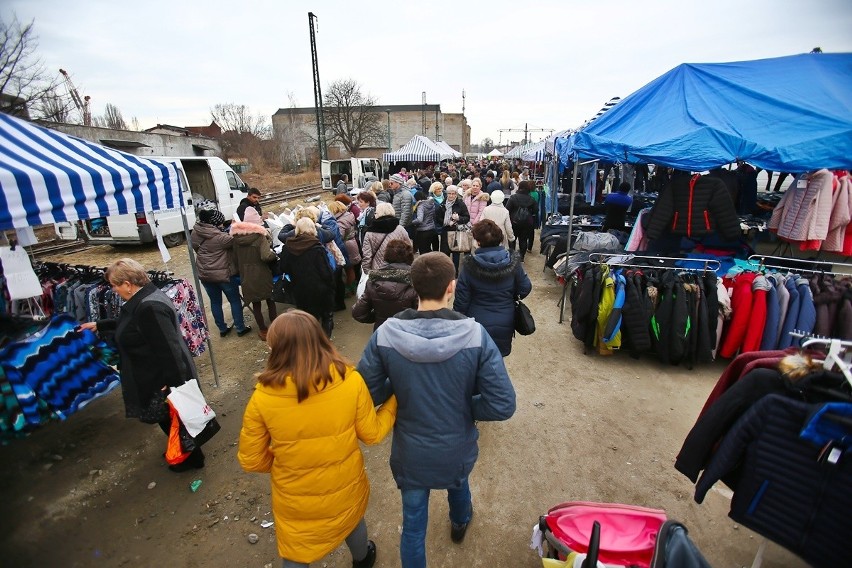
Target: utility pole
(423, 116)
(317, 90)
(526, 129)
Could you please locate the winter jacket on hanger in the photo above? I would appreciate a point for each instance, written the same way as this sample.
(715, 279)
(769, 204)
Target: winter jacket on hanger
(708, 283)
(786, 340)
(724, 302)
(605, 309)
(694, 207)
(757, 319)
(785, 492)
(806, 320)
(636, 314)
(773, 313)
(612, 330)
(741, 303)
(783, 305)
(841, 215)
(803, 213)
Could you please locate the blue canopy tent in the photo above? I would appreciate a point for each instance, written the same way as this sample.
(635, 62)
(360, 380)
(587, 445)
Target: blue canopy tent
(790, 114)
(47, 177)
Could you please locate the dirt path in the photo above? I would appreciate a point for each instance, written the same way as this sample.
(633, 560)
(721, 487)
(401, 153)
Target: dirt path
(76, 494)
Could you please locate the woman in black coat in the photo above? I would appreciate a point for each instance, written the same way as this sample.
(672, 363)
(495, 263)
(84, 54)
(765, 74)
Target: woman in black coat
(522, 211)
(152, 353)
(305, 261)
(448, 216)
(489, 282)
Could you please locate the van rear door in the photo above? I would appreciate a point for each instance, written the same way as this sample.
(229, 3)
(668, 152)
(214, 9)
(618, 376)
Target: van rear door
(325, 171)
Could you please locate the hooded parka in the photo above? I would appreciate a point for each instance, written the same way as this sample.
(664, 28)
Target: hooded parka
(305, 260)
(388, 292)
(214, 252)
(253, 252)
(489, 282)
(319, 485)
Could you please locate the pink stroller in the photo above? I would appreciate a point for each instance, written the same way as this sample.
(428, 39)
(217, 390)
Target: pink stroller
(618, 535)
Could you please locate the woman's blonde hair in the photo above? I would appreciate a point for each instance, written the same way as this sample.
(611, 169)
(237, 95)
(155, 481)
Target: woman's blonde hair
(467, 184)
(309, 212)
(337, 208)
(504, 179)
(126, 270)
(436, 185)
(376, 187)
(301, 352)
(384, 209)
(306, 225)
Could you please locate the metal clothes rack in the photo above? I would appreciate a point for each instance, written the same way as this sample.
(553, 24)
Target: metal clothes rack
(759, 261)
(648, 262)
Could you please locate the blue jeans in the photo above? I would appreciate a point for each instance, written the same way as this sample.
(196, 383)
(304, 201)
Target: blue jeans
(232, 292)
(415, 520)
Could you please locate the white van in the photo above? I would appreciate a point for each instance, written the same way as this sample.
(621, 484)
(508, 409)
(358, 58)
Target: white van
(358, 169)
(204, 179)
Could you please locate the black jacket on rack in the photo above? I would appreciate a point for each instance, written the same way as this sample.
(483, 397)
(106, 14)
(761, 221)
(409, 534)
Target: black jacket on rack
(636, 314)
(694, 207)
(791, 490)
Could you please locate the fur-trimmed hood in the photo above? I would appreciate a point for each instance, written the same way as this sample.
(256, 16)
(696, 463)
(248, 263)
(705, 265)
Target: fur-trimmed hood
(491, 263)
(481, 197)
(243, 228)
(394, 272)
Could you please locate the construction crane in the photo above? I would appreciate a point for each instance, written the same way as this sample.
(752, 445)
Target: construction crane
(82, 104)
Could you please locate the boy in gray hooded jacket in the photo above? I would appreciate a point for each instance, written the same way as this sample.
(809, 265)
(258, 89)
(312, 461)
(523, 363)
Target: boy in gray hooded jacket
(446, 373)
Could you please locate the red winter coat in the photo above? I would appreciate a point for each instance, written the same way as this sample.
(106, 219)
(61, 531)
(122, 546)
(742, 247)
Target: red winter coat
(741, 302)
(757, 317)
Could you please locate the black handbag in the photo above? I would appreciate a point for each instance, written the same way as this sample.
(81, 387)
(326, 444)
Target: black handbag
(156, 410)
(282, 291)
(524, 322)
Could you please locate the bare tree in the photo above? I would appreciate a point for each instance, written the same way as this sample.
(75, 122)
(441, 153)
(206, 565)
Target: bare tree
(55, 107)
(23, 78)
(238, 119)
(486, 145)
(290, 139)
(111, 118)
(351, 116)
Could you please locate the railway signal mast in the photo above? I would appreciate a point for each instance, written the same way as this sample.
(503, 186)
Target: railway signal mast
(82, 104)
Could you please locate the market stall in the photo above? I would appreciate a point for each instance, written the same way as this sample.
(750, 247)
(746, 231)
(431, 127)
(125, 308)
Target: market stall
(419, 149)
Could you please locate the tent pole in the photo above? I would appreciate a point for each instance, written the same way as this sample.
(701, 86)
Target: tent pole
(570, 231)
(198, 291)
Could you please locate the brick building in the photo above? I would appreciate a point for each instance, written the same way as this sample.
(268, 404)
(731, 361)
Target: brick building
(296, 129)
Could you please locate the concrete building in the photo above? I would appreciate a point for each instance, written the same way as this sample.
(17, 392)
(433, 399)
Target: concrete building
(164, 140)
(296, 129)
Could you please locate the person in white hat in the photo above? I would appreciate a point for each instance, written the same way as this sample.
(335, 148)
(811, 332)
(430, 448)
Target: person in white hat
(498, 213)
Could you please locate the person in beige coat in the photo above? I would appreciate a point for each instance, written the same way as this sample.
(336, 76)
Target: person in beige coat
(384, 229)
(498, 213)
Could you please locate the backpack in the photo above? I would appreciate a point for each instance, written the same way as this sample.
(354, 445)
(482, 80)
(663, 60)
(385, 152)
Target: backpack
(522, 216)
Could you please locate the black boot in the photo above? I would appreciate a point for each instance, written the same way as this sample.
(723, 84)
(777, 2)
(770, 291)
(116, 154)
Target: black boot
(369, 560)
(194, 461)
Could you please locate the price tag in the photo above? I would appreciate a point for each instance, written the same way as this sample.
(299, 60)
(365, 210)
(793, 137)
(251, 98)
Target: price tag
(802, 184)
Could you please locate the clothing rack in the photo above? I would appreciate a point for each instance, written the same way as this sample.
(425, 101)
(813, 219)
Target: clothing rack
(652, 262)
(809, 266)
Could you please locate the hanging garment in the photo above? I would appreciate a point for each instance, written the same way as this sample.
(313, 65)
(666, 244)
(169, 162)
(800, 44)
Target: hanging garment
(605, 309)
(786, 339)
(741, 303)
(636, 314)
(806, 319)
(757, 318)
(785, 491)
(612, 330)
(841, 215)
(803, 213)
(773, 314)
(60, 365)
(783, 304)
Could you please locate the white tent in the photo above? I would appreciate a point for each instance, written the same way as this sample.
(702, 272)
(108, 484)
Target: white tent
(449, 149)
(418, 149)
(495, 153)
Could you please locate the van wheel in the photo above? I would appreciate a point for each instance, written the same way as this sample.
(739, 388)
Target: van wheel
(173, 240)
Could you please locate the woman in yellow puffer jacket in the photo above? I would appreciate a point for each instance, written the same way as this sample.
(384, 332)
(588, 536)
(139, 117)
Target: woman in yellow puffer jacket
(302, 425)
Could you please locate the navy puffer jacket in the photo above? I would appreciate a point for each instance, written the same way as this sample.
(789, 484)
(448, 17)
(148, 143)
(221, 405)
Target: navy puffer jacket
(489, 281)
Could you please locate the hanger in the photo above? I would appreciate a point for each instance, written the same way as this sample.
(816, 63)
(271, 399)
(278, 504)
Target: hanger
(839, 354)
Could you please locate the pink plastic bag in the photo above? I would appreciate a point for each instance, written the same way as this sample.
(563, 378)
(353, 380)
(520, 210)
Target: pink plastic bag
(628, 533)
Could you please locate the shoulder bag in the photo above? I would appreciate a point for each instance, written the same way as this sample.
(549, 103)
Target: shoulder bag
(524, 322)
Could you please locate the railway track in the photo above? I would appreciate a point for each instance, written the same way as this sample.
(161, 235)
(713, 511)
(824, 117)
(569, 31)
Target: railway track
(298, 192)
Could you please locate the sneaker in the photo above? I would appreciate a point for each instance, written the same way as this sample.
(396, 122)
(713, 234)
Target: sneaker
(369, 560)
(226, 331)
(245, 330)
(457, 532)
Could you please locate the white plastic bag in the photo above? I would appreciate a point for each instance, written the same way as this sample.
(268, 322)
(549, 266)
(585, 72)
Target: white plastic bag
(193, 410)
(362, 285)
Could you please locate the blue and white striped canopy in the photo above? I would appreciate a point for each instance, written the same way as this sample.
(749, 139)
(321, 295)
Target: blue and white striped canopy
(535, 152)
(418, 149)
(47, 177)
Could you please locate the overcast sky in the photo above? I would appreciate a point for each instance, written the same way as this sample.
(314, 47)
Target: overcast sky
(551, 66)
